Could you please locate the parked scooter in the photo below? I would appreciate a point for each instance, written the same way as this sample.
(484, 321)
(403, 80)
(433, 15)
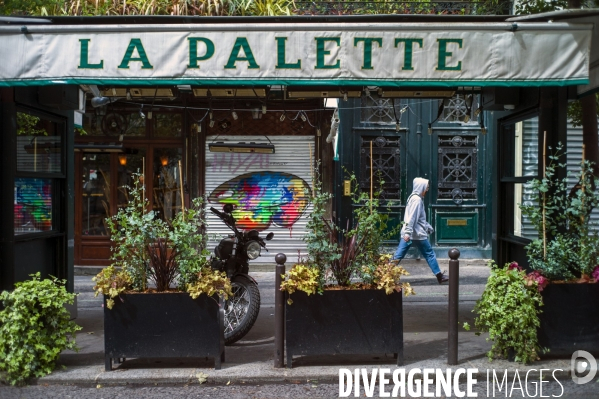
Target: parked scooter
(232, 255)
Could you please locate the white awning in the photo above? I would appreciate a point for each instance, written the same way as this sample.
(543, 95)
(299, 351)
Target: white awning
(332, 54)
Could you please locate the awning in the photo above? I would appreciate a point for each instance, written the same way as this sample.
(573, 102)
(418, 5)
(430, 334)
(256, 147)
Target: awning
(306, 54)
(579, 17)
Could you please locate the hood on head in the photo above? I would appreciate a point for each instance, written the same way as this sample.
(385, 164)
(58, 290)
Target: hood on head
(420, 185)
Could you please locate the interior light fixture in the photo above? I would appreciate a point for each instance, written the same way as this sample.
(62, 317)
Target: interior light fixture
(303, 116)
(141, 112)
(242, 147)
(234, 115)
(164, 160)
(264, 109)
(282, 118)
(123, 160)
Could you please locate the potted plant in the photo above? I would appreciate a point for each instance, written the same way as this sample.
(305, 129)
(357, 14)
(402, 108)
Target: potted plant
(346, 297)
(509, 310)
(153, 305)
(567, 253)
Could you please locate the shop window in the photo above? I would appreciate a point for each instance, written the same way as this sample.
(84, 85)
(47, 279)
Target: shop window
(39, 144)
(520, 140)
(32, 205)
(168, 125)
(167, 182)
(96, 194)
(129, 163)
(114, 123)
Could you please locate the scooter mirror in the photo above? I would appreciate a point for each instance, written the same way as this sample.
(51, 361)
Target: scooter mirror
(228, 208)
(269, 236)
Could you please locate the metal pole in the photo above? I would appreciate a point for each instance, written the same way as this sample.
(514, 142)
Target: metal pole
(279, 311)
(454, 292)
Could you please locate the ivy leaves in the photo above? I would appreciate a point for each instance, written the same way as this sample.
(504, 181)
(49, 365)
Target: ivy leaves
(509, 310)
(34, 328)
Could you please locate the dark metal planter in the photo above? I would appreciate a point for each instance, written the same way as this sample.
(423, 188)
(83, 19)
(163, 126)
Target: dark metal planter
(344, 322)
(570, 319)
(164, 325)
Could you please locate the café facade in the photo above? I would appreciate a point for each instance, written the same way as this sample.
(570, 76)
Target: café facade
(239, 109)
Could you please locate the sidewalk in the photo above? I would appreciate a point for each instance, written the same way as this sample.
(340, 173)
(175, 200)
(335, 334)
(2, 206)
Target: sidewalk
(251, 359)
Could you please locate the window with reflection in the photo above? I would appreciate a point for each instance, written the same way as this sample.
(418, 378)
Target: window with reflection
(96, 194)
(521, 139)
(39, 144)
(32, 205)
(129, 163)
(114, 122)
(526, 148)
(167, 182)
(168, 125)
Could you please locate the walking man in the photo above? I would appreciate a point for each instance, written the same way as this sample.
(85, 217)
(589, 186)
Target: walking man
(416, 230)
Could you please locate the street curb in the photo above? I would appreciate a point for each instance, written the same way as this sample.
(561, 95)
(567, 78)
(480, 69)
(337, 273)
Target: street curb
(96, 375)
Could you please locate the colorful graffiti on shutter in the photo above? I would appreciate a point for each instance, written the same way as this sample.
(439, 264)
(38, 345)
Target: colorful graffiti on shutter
(264, 198)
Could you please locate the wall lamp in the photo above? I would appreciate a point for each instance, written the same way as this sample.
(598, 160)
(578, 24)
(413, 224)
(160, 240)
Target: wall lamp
(250, 147)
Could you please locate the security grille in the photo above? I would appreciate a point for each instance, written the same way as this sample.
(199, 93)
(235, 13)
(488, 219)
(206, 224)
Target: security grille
(460, 108)
(385, 165)
(457, 162)
(379, 110)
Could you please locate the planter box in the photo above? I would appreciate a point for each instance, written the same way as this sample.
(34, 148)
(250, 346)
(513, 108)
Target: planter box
(163, 325)
(344, 322)
(570, 319)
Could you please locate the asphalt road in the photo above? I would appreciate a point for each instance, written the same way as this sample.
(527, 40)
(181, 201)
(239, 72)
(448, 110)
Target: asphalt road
(301, 389)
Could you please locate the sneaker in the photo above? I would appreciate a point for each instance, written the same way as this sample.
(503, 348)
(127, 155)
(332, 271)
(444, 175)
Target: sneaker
(442, 277)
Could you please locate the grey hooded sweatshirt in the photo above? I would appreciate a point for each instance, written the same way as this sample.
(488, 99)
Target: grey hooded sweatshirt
(415, 224)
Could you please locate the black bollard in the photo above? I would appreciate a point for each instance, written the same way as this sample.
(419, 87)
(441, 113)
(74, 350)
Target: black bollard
(279, 311)
(454, 293)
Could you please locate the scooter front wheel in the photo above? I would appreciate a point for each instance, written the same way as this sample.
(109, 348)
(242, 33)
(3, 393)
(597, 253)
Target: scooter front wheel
(241, 309)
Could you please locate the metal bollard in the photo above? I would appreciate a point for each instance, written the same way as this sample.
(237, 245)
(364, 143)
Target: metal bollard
(454, 293)
(279, 311)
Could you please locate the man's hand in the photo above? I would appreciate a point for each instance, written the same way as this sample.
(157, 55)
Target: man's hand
(406, 238)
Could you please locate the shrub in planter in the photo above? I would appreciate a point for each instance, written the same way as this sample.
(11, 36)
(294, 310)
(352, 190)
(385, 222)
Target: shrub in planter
(152, 289)
(339, 255)
(509, 311)
(169, 254)
(35, 327)
(350, 294)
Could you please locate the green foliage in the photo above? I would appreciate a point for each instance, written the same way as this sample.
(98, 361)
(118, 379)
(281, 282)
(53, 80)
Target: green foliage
(146, 7)
(572, 248)
(509, 311)
(27, 125)
(147, 247)
(303, 278)
(575, 111)
(34, 328)
(168, 253)
(537, 6)
(353, 251)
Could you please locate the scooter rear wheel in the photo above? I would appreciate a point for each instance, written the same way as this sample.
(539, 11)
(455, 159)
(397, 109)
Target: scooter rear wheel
(241, 310)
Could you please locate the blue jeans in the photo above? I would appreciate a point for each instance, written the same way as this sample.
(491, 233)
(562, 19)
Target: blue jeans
(425, 249)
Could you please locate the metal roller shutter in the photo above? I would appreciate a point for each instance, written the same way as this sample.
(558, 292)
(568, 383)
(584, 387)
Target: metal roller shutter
(574, 156)
(267, 189)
